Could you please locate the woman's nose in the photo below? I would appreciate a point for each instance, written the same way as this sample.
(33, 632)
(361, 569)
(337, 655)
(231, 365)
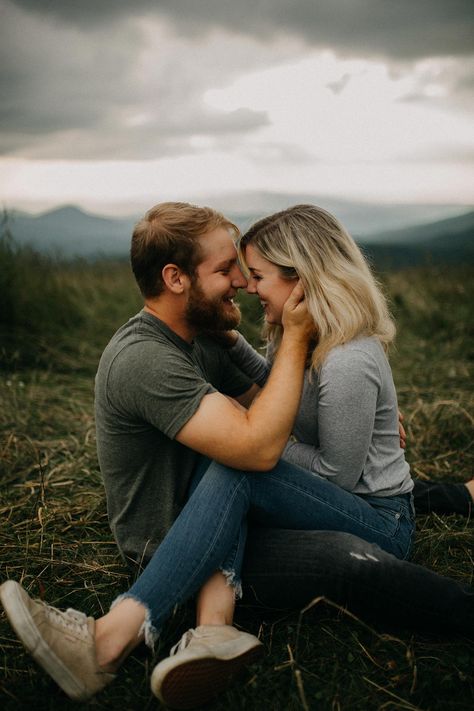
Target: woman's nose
(239, 281)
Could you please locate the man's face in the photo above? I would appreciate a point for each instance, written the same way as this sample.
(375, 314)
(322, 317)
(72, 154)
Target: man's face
(217, 280)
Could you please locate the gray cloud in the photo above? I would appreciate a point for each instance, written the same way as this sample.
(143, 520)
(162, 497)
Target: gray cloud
(394, 28)
(112, 141)
(435, 83)
(53, 78)
(113, 79)
(70, 93)
(155, 139)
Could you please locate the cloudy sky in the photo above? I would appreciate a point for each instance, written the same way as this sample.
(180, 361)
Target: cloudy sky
(112, 104)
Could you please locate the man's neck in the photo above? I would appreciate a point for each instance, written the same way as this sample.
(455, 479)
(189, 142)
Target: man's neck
(175, 321)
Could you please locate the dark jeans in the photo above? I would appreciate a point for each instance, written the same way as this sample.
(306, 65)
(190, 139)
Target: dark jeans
(290, 568)
(442, 498)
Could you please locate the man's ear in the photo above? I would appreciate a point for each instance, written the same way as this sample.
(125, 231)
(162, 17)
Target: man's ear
(174, 278)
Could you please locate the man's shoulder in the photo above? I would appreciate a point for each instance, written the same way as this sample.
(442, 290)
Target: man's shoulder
(136, 347)
(140, 330)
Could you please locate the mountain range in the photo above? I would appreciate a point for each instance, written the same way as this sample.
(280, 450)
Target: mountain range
(384, 231)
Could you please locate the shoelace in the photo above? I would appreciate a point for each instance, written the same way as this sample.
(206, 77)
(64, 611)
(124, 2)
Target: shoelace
(184, 641)
(72, 620)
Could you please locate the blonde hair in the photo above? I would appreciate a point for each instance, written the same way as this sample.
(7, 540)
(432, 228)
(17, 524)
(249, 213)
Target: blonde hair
(342, 294)
(167, 234)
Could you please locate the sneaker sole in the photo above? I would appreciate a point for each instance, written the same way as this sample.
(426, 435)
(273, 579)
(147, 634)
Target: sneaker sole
(198, 681)
(20, 619)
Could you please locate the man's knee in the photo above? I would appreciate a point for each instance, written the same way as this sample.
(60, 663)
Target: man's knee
(290, 568)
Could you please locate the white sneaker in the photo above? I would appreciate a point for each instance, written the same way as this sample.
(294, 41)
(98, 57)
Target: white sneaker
(203, 663)
(61, 642)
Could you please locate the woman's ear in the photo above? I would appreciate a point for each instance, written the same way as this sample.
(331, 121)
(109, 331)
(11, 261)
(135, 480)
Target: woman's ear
(174, 278)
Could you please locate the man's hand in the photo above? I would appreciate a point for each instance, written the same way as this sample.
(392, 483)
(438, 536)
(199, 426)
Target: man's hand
(296, 318)
(401, 431)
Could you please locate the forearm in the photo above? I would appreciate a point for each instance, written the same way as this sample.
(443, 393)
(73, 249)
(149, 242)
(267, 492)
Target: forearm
(309, 457)
(249, 361)
(251, 439)
(271, 416)
(299, 453)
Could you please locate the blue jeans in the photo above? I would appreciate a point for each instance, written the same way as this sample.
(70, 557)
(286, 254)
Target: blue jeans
(206, 532)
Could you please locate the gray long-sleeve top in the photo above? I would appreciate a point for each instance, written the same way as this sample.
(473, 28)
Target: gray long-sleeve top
(347, 424)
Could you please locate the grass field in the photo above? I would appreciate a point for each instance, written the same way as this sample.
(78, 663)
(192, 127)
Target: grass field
(54, 535)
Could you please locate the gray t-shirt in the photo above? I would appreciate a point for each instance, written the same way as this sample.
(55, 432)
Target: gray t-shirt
(347, 423)
(149, 383)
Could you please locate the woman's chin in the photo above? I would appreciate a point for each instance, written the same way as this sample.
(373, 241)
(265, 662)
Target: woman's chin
(271, 320)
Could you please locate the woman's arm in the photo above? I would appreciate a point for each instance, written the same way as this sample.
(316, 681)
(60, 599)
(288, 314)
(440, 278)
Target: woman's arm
(348, 388)
(249, 361)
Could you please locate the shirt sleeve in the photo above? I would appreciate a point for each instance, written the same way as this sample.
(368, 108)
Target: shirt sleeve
(235, 381)
(156, 386)
(349, 384)
(250, 361)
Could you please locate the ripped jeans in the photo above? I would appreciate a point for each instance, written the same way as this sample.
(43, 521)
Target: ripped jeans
(208, 533)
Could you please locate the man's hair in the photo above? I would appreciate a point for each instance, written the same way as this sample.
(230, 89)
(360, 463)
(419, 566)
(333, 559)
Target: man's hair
(342, 294)
(168, 234)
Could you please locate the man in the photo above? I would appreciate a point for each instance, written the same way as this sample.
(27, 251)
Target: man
(166, 406)
(157, 405)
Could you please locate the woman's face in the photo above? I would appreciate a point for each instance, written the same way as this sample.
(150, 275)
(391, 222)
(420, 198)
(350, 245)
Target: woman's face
(268, 283)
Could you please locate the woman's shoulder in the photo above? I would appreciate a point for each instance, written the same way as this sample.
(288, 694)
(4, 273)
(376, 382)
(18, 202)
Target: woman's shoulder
(369, 345)
(365, 352)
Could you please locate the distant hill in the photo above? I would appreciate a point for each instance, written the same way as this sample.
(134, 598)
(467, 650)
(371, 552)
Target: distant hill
(429, 233)
(69, 232)
(364, 220)
(448, 241)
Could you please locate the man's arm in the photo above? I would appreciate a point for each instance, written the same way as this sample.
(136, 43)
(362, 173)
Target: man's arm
(247, 398)
(254, 439)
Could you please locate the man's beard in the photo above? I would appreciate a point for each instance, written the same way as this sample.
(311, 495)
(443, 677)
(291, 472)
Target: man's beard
(210, 314)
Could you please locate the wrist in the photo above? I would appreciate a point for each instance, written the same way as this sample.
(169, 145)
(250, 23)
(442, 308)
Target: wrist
(297, 337)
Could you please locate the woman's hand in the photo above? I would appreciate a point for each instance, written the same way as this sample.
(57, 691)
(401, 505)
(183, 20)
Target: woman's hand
(296, 319)
(401, 431)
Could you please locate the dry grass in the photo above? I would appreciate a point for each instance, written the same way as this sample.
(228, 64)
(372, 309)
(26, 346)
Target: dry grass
(55, 539)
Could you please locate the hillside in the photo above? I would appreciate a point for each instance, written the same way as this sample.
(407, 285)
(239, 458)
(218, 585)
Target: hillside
(448, 241)
(429, 233)
(364, 220)
(71, 232)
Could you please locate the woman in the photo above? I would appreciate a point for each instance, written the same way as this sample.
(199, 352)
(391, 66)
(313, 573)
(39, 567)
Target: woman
(345, 429)
(347, 425)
